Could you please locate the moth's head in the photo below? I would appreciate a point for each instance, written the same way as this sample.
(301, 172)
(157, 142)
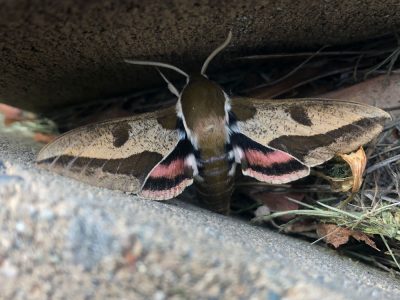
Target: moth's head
(202, 104)
(203, 108)
(189, 79)
(202, 98)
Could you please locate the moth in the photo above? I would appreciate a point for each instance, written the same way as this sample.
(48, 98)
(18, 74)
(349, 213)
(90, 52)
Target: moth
(205, 136)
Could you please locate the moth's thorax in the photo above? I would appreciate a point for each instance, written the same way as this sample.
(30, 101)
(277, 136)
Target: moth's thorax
(210, 133)
(203, 109)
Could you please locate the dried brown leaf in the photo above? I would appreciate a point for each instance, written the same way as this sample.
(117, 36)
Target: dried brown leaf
(337, 236)
(43, 138)
(11, 114)
(382, 91)
(278, 201)
(357, 162)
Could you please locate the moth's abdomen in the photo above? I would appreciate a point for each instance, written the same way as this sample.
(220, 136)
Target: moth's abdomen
(215, 184)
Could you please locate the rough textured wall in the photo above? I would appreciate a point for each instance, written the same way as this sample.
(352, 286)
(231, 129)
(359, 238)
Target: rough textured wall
(55, 53)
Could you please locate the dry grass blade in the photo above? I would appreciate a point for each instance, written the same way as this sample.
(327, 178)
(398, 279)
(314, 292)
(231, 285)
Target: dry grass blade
(383, 163)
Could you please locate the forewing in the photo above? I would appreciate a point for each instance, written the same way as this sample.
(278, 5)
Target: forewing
(312, 130)
(116, 154)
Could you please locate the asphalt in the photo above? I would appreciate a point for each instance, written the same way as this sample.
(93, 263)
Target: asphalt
(62, 239)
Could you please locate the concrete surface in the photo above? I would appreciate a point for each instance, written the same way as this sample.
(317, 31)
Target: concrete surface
(61, 239)
(54, 53)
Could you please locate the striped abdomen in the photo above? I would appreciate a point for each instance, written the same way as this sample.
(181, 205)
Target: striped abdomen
(215, 183)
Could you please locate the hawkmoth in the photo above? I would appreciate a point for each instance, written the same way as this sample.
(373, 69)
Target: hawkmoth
(205, 136)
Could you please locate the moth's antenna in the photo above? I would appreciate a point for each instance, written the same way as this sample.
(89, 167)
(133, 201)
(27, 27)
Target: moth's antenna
(156, 64)
(215, 52)
(171, 87)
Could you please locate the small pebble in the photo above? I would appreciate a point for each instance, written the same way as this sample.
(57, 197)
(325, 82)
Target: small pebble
(7, 269)
(20, 227)
(262, 211)
(159, 295)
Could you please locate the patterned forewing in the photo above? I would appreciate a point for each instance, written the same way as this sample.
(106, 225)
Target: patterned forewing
(313, 130)
(116, 154)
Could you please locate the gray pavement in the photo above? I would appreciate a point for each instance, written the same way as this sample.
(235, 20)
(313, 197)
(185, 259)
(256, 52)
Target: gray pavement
(62, 239)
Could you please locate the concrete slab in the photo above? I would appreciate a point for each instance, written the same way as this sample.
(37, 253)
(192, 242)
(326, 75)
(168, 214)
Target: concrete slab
(61, 239)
